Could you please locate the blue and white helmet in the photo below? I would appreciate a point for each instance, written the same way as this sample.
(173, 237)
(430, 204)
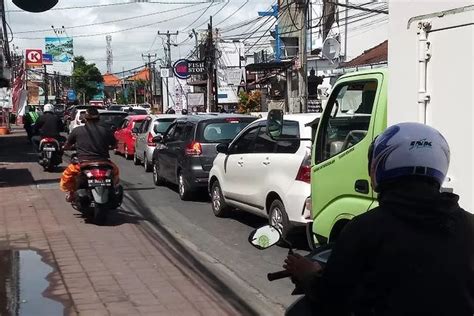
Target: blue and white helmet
(408, 149)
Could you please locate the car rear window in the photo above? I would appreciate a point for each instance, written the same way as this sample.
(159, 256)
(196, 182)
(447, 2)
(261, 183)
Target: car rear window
(222, 131)
(160, 126)
(138, 124)
(110, 119)
(139, 111)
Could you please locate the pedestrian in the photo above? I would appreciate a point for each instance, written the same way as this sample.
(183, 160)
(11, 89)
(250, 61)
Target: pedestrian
(30, 118)
(411, 255)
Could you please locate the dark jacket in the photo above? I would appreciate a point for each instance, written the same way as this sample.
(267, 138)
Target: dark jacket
(92, 142)
(49, 125)
(412, 255)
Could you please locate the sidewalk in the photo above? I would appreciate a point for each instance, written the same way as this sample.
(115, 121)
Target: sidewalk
(111, 270)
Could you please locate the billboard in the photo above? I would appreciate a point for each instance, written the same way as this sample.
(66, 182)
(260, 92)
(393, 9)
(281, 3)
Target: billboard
(61, 48)
(34, 57)
(47, 59)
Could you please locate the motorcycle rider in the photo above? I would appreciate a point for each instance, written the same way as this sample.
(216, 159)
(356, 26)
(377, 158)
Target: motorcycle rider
(92, 142)
(47, 125)
(414, 253)
(30, 118)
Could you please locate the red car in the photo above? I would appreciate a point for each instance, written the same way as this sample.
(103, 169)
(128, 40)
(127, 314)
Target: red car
(125, 137)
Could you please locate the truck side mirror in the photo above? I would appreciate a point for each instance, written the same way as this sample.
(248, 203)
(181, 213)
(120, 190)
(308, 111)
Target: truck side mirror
(35, 6)
(275, 123)
(223, 148)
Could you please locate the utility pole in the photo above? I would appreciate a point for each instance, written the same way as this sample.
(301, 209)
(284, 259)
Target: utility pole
(275, 13)
(303, 54)
(210, 56)
(168, 62)
(45, 81)
(196, 40)
(151, 75)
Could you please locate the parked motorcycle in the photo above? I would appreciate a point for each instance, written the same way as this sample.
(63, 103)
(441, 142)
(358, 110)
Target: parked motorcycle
(96, 193)
(267, 236)
(50, 153)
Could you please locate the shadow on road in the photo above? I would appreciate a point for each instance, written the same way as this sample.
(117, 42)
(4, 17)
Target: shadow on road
(164, 239)
(139, 189)
(15, 177)
(23, 150)
(115, 218)
(47, 181)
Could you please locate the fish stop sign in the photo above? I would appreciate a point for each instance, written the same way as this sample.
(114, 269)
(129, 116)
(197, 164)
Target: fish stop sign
(34, 57)
(181, 69)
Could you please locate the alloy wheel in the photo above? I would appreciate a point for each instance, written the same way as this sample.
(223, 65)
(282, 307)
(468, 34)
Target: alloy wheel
(216, 198)
(277, 219)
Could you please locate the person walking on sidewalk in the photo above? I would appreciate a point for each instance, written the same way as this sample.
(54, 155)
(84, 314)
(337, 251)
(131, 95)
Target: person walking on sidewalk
(92, 142)
(48, 125)
(30, 118)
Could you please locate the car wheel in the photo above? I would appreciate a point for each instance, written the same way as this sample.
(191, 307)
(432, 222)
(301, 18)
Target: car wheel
(185, 192)
(219, 206)
(126, 153)
(278, 218)
(157, 179)
(136, 161)
(146, 164)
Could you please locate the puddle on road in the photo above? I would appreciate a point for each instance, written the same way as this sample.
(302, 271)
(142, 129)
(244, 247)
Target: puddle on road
(22, 283)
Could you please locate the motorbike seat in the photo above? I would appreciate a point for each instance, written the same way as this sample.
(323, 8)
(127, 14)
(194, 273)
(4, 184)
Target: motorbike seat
(96, 164)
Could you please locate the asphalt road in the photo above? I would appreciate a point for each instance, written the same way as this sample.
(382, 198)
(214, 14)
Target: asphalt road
(223, 241)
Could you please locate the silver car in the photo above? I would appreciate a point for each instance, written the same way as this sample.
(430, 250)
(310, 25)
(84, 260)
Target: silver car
(144, 146)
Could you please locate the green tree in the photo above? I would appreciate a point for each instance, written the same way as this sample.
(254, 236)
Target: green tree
(85, 78)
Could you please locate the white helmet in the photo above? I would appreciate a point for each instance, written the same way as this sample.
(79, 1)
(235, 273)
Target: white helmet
(48, 108)
(408, 149)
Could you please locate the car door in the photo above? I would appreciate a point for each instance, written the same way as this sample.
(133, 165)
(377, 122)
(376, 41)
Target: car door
(119, 136)
(176, 149)
(163, 155)
(236, 177)
(141, 138)
(258, 167)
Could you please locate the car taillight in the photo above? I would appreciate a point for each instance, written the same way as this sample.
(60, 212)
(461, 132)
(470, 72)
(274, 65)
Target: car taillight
(194, 149)
(98, 174)
(232, 120)
(149, 140)
(304, 173)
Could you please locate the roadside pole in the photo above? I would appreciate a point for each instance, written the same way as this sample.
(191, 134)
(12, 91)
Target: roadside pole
(45, 82)
(210, 67)
(168, 63)
(150, 76)
(303, 69)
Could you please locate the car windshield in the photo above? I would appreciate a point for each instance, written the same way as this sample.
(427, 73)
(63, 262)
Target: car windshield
(217, 132)
(160, 126)
(112, 119)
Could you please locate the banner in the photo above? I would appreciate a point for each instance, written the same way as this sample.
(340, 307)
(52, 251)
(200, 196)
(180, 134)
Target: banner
(61, 48)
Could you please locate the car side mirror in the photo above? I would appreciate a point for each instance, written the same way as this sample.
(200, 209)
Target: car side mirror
(158, 139)
(135, 130)
(275, 123)
(113, 128)
(264, 237)
(223, 148)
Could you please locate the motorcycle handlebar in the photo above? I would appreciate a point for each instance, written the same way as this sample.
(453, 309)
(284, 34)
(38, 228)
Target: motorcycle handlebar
(278, 275)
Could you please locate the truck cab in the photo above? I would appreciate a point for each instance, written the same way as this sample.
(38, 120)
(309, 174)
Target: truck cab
(355, 114)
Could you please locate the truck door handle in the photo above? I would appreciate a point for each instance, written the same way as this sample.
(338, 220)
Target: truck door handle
(362, 186)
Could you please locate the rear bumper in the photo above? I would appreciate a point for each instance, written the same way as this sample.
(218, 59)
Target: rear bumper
(295, 203)
(195, 175)
(149, 152)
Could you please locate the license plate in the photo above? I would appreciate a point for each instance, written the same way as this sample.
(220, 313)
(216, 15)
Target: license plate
(99, 183)
(49, 149)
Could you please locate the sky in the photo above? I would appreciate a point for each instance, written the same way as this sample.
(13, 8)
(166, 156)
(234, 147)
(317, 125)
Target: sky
(146, 19)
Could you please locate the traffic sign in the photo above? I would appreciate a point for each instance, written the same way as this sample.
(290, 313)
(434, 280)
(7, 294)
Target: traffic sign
(34, 57)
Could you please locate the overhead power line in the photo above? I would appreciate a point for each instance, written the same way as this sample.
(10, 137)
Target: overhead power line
(123, 30)
(112, 4)
(111, 21)
(357, 7)
(200, 16)
(233, 13)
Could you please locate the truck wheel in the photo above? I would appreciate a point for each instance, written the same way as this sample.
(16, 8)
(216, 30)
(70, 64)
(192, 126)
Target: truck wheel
(278, 218)
(219, 206)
